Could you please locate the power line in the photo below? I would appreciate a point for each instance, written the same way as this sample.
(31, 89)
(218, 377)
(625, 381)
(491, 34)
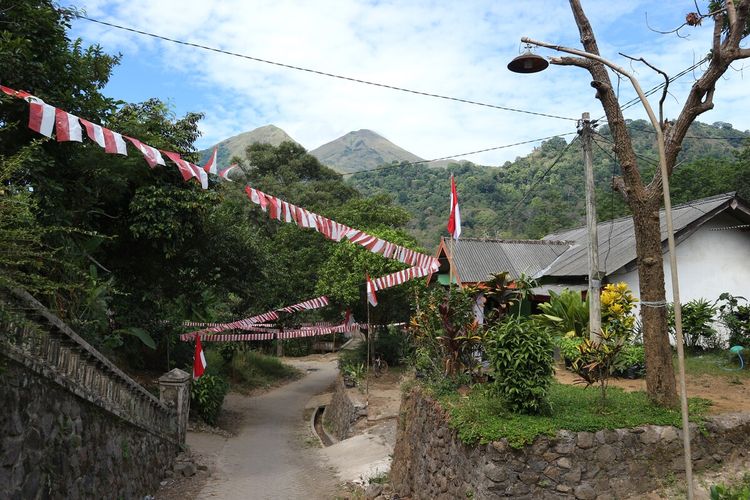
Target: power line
(413, 163)
(318, 72)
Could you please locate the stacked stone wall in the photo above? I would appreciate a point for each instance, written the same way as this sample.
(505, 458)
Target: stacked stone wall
(346, 407)
(55, 444)
(431, 462)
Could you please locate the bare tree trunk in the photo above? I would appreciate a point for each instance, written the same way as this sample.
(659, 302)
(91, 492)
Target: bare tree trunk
(660, 379)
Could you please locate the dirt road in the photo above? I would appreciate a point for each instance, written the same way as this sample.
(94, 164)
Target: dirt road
(271, 456)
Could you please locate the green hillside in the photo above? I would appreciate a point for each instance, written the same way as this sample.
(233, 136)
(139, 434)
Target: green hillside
(523, 199)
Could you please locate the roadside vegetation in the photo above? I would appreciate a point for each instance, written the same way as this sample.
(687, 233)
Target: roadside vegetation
(496, 380)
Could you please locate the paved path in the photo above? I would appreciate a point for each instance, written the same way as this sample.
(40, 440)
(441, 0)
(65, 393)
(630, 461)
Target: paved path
(271, 456)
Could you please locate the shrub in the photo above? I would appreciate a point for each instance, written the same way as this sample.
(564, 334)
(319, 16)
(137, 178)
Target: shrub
(631, 361)
(697, 322)
(568, 348)
(597, 360)
(735, 317)
(520, 351)
(207, 395)
(618, 302)
(566, 313)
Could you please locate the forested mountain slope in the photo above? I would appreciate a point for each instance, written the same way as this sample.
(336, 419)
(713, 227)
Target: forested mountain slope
(543, 192)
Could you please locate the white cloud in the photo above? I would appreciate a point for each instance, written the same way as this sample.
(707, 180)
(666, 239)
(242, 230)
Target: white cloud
(453, 48)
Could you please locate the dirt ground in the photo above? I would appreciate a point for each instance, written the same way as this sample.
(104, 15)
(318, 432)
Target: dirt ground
(727, 393)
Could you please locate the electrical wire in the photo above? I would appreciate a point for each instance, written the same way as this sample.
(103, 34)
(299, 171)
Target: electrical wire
(413, 163)
(319, 72)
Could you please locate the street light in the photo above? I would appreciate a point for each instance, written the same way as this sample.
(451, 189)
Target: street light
(670, 231)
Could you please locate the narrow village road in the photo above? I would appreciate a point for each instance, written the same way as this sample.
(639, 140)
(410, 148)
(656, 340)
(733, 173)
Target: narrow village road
(271, 456)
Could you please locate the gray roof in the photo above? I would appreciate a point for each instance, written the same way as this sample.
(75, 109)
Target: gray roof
(617, 237)
(475, 260)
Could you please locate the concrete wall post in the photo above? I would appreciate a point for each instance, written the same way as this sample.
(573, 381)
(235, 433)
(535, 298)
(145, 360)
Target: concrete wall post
(174, 391)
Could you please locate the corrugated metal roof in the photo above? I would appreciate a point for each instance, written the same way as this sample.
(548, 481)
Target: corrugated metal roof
(617, 238)
(475, 260)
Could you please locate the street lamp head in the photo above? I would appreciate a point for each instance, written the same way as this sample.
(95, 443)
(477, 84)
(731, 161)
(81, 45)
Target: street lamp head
(528, 62)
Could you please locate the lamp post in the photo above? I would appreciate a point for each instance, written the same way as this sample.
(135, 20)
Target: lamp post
(668, 219)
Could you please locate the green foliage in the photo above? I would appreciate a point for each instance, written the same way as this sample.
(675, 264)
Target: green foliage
(491, 197)
(207, 395)
(392, 344)
(697, 320)
(617, 304)
(248, 369)
(739, 490)
(566, 313)
(568, 348)
(735, 317)
(482, 417)
(597, 360)
(520, 351)
(631, 356)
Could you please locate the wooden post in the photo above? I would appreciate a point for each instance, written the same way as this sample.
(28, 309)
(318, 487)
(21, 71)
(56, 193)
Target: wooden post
(595, 311)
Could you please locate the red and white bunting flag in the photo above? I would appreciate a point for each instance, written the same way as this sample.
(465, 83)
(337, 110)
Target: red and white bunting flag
(114, 143)
(371, 297)
(67, 127)
(14, 93)
(211, 166)
(199, 361)
(182, 165)
(200, 174)
(151, 154)
(41, 116)
(224, 174)
(95, 132)
(454, 221)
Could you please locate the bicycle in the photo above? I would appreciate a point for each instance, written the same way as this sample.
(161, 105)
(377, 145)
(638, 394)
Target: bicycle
(379, 366)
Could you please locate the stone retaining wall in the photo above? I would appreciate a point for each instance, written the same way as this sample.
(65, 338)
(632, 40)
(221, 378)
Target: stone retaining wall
(55, 444)
(73, 424)
(346, 407)
(431, 462)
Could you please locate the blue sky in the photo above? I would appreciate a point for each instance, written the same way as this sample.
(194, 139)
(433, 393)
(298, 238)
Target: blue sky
(458, 49)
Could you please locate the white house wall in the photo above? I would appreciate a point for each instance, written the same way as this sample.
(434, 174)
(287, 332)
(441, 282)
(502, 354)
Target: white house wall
(708, 263)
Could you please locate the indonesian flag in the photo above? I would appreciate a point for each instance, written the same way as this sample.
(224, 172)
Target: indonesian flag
(224, 174)
(211, 166)
(200, 174)
(454, 221)
(67, 126)
(41, 116)
(371, 297)
(188, 170)
(199, 362)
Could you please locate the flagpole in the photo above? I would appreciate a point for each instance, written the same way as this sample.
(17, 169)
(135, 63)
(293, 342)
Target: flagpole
(367, 369)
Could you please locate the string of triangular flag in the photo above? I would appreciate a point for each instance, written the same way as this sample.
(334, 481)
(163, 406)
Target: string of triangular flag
(46, 119)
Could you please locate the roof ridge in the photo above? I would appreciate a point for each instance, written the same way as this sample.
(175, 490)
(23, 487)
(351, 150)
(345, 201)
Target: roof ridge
(512, 240)
(687, 204)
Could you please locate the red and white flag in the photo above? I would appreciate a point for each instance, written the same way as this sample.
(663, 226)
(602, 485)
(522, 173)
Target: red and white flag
(67, 127)
(371, 297)
(201, 175)
(41, 116)
(211, 165)
(224, 174)
(454, 221)
(114, 143)
(199, 362)
(151, 154)
(95, 132)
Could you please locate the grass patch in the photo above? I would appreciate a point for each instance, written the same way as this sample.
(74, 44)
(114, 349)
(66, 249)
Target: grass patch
(718, 364)
(250, 370)
(483, 417)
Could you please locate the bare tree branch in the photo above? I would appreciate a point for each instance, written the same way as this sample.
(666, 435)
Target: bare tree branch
(666, 84)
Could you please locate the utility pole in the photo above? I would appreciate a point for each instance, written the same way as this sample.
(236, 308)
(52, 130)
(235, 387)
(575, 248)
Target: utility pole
(595, 310)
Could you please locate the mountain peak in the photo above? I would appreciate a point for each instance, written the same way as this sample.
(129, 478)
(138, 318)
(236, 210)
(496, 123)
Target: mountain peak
(236, 145)
(361, 149)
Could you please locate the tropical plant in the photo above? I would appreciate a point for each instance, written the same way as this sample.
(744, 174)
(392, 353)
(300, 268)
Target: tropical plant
(207, 395)
(566, 313)
(568, 348)
(597, 360)
(520, 351)
(735, 317)
(617, 303)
